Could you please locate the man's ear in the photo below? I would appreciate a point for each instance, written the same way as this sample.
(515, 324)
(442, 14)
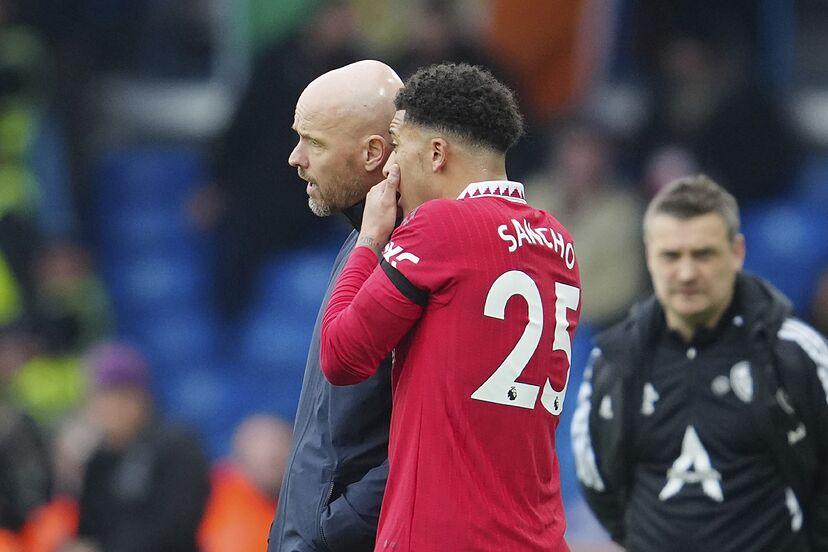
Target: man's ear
(739, 250)
(375, 152)
(439, 154)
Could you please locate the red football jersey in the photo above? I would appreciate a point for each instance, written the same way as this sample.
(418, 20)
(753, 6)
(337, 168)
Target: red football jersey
(479, 297)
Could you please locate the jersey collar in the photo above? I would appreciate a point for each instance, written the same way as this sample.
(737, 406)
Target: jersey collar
(506, 189)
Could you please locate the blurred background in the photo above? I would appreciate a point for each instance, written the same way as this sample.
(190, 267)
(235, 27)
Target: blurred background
(146, 199)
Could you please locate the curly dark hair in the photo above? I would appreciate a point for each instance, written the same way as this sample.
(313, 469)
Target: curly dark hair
(465, 100)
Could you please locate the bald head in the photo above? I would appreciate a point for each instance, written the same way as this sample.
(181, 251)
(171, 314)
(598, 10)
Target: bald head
(342, 120)
(363, 92)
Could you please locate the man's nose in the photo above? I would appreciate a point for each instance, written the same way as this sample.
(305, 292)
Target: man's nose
(687, 270)
(297, 158)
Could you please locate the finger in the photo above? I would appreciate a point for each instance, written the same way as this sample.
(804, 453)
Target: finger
(393, 179)
(377, 189)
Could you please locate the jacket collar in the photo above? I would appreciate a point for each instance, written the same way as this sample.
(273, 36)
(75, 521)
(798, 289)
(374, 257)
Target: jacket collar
(354, 214)
(762, 307)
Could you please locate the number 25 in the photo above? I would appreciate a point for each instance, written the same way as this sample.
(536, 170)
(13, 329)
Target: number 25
(502, 387)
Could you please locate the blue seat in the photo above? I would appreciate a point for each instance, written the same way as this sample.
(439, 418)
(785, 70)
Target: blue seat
(203, 399)
(299, 278)
(154, 282)
(148, 177)
(179, 337)
(143, 232)
(812, 182)
(272, 338)
(786, 243)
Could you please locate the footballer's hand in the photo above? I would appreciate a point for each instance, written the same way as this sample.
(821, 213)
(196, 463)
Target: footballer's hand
(380, 213)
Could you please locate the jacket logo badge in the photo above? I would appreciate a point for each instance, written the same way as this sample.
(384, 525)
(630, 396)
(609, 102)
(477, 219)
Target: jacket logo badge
(720, 386)
(605, 410)
(650, 396)
(741, 381)
(796, 435)
(693, 466)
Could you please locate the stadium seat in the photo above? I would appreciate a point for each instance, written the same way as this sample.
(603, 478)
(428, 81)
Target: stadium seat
(300, 277)
(272, 339)
(786, 244)
(150, 284)
(812, 183)
(180, 337)
(148, 177)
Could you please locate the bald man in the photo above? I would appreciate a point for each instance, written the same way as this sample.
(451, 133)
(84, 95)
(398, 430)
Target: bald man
(335, 477)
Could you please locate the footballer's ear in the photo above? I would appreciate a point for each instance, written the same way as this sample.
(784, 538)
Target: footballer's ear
(439, 154)
(374, 153)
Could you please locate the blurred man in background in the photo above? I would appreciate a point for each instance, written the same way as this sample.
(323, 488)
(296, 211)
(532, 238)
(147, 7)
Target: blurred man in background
(701, 420)
(25, 472)
(146, 485)
(580, 188)
(335, 479)
(245, 486)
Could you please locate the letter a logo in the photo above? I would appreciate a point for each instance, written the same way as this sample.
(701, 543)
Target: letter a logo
(692, 466)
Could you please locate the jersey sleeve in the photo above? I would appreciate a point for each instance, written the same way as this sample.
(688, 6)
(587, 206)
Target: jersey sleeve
(360, 327)
(373, 305)
(416, 259)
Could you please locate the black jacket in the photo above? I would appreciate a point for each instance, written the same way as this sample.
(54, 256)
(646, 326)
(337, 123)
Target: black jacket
(790, 378)
(150, 496)
(335, 477)
(25, 471)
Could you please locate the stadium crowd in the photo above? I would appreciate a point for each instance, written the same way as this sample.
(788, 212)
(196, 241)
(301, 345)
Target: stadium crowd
(159, 286)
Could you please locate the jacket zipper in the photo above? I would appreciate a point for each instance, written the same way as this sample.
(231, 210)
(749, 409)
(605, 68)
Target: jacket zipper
(325, 504)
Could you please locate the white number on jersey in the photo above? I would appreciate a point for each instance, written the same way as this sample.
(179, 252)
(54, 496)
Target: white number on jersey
(502, 386)
(693, 466)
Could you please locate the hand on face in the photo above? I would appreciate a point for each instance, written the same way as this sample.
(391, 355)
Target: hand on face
(380, 213)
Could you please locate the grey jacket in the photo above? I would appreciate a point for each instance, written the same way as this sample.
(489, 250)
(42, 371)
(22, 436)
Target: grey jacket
(335, 477)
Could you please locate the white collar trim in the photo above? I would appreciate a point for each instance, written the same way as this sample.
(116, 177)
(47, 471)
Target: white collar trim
(506, 189)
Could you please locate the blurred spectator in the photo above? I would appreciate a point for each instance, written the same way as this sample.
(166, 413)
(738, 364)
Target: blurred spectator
(25, 480)
(33, 175)
(271, 21)
(704, 103)
(552, 48)
(11, 306)
(16, 347)
(45, 387)
(71, 306)
(55, 524)
(69, 312)
(665, 165)
(436, 34)
(146, 485)
(653, 25)
(245, 488)
(252, 203)
(578, 187)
